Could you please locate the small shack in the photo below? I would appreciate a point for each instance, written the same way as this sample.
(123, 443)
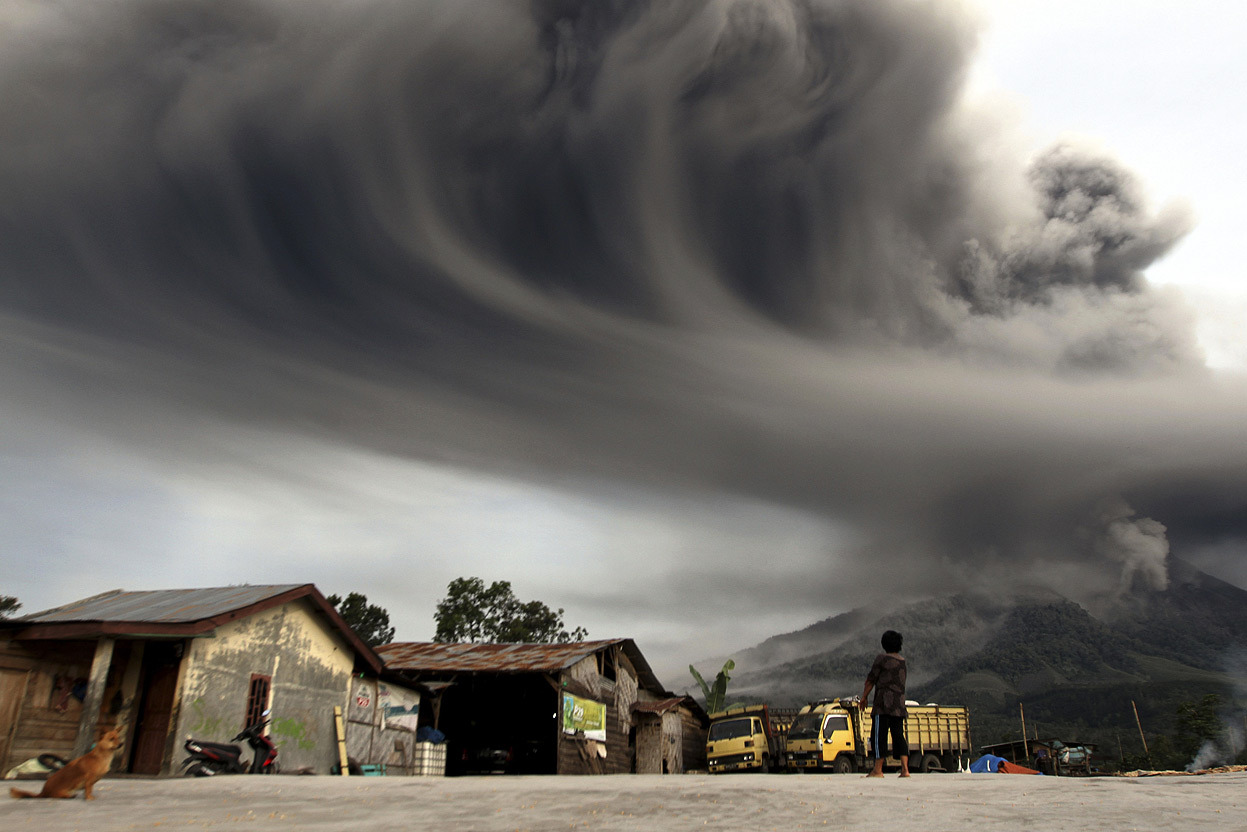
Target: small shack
(537, 708)
(161, 665)
(670, 735)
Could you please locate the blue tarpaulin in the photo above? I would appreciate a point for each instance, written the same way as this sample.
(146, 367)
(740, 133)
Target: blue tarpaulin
(987, 764)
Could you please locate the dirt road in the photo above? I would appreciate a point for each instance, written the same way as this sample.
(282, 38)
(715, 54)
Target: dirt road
(929, 803)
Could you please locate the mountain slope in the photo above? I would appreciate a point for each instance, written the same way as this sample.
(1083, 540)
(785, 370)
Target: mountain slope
(1076, 670)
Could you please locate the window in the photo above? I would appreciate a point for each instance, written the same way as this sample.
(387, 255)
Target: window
(804, 727)
(730, 729)
(606, 665)
(835, 723)
(257, 698)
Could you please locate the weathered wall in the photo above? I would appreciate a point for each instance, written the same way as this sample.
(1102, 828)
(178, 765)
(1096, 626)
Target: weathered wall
(310, 667)
(625, 690)
(672, 746)
(692, 741)
(619, 749)
(585, 672)
(579, 756)
(648, 743)
(381, 725)
(619, 694)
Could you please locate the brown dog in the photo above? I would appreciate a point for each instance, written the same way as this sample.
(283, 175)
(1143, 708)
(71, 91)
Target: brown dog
(81, 773)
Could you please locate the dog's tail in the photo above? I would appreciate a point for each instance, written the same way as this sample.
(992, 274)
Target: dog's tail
(20, 793)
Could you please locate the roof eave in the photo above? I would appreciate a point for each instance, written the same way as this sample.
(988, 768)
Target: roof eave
(89, 630)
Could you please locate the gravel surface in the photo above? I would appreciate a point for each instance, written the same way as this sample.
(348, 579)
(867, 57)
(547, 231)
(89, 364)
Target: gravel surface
(924, 803)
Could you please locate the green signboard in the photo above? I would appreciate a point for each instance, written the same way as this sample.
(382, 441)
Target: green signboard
(584, 716)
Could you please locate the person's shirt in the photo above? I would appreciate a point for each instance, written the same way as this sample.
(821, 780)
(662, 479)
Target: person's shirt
(887, 675)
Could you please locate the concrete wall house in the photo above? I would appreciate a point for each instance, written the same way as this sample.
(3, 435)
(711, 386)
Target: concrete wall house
(535, 708)
(161, 665)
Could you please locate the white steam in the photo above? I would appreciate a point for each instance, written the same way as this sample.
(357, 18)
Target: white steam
(1139, 544)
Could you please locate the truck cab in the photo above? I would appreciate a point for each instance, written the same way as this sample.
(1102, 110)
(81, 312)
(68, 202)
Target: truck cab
(742, 739)
(822, 738)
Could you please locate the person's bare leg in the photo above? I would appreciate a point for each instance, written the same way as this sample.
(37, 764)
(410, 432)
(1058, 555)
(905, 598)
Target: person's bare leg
(877, 771)
(905, 766)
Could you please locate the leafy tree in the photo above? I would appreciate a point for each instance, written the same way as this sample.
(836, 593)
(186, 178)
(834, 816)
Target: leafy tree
(9, 605)
(369, 621)
(473, 612)
(716, 696)
(1198, 721)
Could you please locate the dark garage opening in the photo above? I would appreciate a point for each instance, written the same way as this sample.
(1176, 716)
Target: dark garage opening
(500, 724)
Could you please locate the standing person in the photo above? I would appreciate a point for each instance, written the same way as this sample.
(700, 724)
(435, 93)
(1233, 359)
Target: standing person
(887, 677)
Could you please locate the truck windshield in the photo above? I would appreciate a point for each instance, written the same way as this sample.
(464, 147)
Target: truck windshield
(805, 727)
(729, 729)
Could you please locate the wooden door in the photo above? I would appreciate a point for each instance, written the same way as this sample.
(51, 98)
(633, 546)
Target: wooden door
(12, 692)
(151, 733)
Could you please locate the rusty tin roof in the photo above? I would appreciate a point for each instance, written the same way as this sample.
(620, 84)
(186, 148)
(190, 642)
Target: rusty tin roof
(658, 706)
(662, 706)
(437, 658)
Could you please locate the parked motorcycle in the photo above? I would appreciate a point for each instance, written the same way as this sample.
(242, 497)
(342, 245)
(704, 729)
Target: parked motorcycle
(211, 758)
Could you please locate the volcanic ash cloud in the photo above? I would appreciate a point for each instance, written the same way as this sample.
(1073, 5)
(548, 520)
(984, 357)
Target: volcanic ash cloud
(747, 247)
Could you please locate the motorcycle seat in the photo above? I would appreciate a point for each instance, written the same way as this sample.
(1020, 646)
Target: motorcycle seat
(224, 748)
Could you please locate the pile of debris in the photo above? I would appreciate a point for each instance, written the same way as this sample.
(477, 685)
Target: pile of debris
(1217, 770)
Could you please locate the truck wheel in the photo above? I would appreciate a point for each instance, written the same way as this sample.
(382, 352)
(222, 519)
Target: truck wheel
(929, 764)
(766, 764)
(842, 765)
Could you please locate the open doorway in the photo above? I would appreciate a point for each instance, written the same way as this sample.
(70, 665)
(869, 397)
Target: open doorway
(161, 662)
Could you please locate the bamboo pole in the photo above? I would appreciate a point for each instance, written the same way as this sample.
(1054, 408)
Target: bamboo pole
(343, 764)
(1146, 753)
(1025, 748)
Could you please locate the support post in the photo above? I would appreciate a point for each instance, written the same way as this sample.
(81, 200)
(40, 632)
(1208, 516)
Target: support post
(343, 763)
(1025, 749)
(95, 696)
(1146, 753)
(130, 695)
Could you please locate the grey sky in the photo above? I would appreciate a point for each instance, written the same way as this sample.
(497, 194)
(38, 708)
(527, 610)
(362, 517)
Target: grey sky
(695, 319)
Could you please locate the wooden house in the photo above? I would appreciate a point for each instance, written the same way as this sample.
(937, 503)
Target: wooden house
(539, 708)
(162, 665)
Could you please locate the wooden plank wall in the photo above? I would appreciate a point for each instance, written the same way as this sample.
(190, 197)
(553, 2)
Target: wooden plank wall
(46, 721)
(618, 753)
(693, 741)
(648, 743)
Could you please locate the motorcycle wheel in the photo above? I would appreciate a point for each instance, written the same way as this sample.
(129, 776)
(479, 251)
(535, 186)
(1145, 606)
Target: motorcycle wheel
(199, 770)
(51, 761)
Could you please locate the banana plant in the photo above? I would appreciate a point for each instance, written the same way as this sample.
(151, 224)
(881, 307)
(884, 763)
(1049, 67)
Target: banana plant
(716, 696)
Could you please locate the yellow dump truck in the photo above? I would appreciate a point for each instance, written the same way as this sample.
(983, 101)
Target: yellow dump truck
(833, 735)
(744, 738)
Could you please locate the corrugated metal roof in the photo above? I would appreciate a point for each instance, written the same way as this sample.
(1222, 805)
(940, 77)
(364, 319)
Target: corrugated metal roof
(422, 656)
(659, 707)
(161, 605)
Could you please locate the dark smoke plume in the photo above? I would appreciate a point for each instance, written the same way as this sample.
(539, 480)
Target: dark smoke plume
(715, 246)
